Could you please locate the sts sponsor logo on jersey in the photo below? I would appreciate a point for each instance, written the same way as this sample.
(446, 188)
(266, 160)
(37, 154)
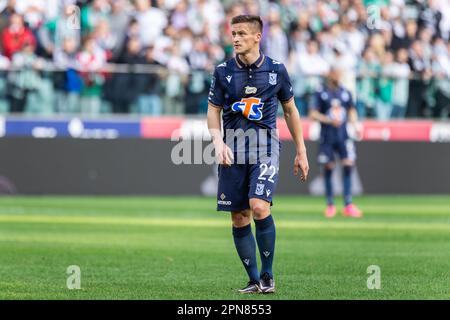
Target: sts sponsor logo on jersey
(251, 108)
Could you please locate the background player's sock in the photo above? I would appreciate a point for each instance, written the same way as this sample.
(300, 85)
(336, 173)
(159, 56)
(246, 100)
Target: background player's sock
(329, 186)
(265, 236)
(347, 178)
(246, 248)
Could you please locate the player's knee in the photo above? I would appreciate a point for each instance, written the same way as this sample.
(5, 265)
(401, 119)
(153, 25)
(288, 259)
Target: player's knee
(241, 218)
(330, 166)
(260, 210)
(348, 163)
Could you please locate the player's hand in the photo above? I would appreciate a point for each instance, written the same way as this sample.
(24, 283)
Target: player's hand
(355, 131)
(358, 131)
(301, 164)
(224, 155)
(336, 123)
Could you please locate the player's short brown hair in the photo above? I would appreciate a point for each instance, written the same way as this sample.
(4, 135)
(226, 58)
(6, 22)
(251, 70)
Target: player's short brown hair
(256, 21)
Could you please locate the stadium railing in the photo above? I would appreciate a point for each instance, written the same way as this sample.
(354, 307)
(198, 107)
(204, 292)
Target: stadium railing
(143, 89)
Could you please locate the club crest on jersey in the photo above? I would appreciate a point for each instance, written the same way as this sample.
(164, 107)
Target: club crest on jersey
(251, 108)
(272, 78)
(250, 90)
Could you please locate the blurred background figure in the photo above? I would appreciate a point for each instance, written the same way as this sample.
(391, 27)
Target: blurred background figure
(127, 86)
(67, 80)
(332, 105)
(15, 35)
(198, 86)
(308, 69)
(151, 21)
(421, 73)
(384, 102)
(400, 73)
(25, 81)
(368, 69)
(178, 70)
(275, 44)
(149, 100)
(90, 61)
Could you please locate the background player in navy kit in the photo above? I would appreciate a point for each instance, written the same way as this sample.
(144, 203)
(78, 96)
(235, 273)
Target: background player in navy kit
(332, 105)
(247, 89)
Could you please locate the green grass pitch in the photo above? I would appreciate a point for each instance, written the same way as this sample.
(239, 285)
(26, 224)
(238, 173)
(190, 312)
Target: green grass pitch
(181, 248)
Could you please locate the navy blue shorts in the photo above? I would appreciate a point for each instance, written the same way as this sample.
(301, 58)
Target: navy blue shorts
(240, 182)
(345, 150)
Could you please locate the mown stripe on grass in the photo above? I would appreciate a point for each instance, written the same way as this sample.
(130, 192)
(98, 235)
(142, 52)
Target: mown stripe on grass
(281, 209)
(173, 222)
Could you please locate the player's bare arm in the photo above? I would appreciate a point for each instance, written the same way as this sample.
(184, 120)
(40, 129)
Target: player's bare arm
(318, 116)
(293, 122)
(224, 154)
(354, 121)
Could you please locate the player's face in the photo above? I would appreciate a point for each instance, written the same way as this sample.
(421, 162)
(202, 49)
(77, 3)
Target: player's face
(334, 77)
(245, 37)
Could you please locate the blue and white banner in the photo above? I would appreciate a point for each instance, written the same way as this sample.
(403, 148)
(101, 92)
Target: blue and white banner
(70, 128)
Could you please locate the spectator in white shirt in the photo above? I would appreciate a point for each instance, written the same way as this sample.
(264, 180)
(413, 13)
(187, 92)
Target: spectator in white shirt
(152, 21)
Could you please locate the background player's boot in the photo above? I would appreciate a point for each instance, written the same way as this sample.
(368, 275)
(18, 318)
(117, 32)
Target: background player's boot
(351, 210)
(330, 211)
(267, 284)
(252, 287)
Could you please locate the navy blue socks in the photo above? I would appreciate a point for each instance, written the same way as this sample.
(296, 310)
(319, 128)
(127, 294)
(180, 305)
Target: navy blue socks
(347, 178)
(246, 248)
(265, 236)
(329, 186)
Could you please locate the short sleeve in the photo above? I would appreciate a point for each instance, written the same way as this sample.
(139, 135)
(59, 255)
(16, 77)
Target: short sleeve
(349, 102)
(216, 94)
(285, 92)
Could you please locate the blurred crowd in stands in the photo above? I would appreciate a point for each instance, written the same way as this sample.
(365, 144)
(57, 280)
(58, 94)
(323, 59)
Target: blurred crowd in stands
(156, 57)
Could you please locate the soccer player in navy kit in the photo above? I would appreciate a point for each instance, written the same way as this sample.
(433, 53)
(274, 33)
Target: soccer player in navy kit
(333, 107)
(246, 90)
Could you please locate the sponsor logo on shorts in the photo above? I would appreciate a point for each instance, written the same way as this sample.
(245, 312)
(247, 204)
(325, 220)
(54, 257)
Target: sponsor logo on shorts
(323, 158)
(224, 203)
(259, 189)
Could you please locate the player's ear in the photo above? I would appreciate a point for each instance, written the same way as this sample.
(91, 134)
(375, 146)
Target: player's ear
(258, 36)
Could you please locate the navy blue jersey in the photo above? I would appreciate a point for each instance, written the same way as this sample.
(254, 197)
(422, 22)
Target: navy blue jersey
(335, 104)
(249, 94)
